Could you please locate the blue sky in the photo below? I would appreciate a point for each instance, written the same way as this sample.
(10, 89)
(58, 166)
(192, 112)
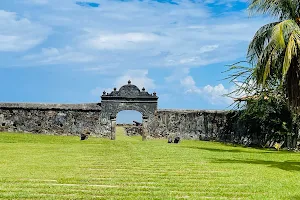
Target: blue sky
(70, 51)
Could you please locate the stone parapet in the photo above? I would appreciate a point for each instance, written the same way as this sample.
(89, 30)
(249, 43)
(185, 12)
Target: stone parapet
(60, 119)
(192, 124)
(48, 106)
(193, 111)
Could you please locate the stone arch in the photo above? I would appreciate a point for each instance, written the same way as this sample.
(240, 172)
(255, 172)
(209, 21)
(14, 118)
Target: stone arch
(128, 97)
(128, 116)
(139, 109)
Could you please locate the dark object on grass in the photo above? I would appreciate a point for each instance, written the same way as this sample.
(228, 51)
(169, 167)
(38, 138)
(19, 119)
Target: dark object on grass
(176, 140)
(170, 140)
(84, 136)
(137, 123)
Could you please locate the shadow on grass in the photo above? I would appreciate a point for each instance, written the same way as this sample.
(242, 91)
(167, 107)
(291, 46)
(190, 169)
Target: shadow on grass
(294, 198)
(245, 150)
(285, 165)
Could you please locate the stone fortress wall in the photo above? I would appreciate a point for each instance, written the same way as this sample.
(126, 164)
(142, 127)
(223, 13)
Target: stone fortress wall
(74, 119)
(100, 118)
(191, 124)
(59, 119)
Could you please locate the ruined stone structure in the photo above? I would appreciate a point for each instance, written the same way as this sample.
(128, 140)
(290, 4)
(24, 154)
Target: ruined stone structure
(133, 130)
(62, 119)
(72, 119)
(129, 97)
(100, 118)
(190, 124)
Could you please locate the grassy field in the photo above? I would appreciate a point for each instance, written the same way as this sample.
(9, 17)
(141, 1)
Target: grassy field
(63, 167)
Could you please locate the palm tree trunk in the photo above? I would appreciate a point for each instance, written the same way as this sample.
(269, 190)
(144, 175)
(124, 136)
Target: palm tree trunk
(293, 83)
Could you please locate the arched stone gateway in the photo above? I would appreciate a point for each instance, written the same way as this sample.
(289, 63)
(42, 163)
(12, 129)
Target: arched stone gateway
(100, 119)
(128, 97)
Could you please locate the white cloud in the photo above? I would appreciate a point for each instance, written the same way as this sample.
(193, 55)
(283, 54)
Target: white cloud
(20, 34)
(213, 94)
(55, 56)
(121, 36)
(177, 74)
(104, 70)
(120, 41)
(138, 77)
(189, 12)
(189, 33)
(207, 48)
(188, 82)
(190, 85)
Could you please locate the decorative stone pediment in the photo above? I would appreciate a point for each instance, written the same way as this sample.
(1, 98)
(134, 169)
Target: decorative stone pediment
(128, 97)
(129, 92)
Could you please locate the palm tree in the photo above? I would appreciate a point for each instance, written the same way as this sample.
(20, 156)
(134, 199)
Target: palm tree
(275, 48)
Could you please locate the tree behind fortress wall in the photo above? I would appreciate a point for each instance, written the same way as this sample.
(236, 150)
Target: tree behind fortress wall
(274, 73)
(266, 120)
(274, 49)
(262, 115)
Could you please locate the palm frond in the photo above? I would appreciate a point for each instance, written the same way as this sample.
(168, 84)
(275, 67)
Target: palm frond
(291, 51)
(275, 49)
(267, 71)
(283, 9)
(259, 41)
(269, 61)
(278, 35)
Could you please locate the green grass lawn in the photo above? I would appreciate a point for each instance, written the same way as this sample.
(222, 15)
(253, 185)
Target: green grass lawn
(63, 167)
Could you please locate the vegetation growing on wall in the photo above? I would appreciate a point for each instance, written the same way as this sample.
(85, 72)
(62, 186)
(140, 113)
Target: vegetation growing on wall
(263, 112)
(266, 120)
(275, 47)
(270, 85)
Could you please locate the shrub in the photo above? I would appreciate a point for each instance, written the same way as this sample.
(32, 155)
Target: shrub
(266, 120)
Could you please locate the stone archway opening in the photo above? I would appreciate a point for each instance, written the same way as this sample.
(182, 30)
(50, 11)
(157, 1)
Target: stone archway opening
(129, 123)
(128, 97)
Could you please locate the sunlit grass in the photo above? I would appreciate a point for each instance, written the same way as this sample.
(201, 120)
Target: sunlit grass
(63, 167)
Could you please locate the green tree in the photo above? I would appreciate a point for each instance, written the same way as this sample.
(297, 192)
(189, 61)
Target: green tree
(275, 47)
(261, 115)
(266, 119)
